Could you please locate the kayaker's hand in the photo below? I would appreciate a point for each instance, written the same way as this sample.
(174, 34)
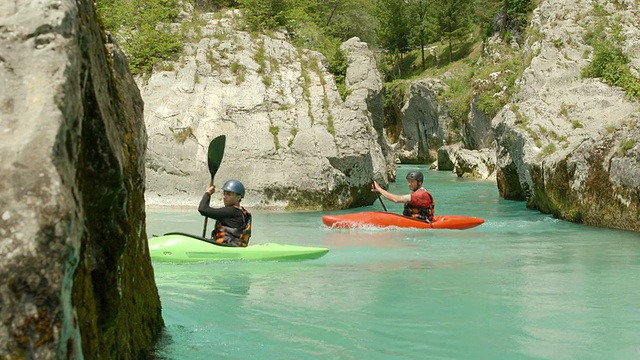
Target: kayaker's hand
(211, 189)
(375, 187)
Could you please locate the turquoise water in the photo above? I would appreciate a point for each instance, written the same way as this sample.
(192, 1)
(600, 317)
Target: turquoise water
(521, 286)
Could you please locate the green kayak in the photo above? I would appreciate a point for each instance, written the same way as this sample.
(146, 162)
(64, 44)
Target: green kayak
(186, 248)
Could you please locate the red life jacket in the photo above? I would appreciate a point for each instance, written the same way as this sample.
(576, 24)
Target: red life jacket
(422, 206)
(234, 236)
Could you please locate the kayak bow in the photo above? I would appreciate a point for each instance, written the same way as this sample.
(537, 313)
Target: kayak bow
(186, 248)
(387, 219)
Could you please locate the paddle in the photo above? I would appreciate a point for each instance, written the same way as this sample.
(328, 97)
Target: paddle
(214, 158)
(379, 198)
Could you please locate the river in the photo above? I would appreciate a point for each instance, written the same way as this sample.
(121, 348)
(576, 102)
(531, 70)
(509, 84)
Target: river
(523, 285)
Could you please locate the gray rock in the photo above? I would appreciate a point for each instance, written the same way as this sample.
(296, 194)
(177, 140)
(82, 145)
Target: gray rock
(569, 145)
(427, 126)
(291, 139)
(447, 156)
(480, 164)
(75, 265)
(424, 123)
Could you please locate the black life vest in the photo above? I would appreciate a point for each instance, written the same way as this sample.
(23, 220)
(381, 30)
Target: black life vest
(422, 206)
(234, 236)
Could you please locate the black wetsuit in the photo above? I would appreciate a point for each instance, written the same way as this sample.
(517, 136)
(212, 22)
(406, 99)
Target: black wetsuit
(229, 215)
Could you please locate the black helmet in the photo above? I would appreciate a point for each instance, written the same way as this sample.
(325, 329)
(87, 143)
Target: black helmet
(234, 186)
(415, 175)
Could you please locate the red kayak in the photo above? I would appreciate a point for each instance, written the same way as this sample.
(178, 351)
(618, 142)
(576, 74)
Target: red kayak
(386, 219)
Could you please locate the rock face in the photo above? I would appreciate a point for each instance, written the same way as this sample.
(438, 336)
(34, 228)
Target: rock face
(77, 278)
(570, 146)
(477, 131)
(427, 128)
(424, 122)
(291, 139)
(480, 164)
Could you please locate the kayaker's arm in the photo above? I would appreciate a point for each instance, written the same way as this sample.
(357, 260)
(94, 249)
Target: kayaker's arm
(203, 207)
(229, 215)
(393, 197)
(204, 204)
(215, 213)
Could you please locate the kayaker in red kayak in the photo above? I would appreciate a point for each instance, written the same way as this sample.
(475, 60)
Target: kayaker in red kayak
(419, 204)
(233, 222)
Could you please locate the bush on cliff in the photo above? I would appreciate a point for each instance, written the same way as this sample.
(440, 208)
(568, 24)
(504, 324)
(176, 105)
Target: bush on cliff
(142, 29)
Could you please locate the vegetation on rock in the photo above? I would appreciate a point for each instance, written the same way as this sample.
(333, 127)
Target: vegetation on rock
(402, 31)
(609, 61)
(142, 29)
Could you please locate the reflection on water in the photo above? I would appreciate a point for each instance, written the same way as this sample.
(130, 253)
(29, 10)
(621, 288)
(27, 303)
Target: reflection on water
(521, 286)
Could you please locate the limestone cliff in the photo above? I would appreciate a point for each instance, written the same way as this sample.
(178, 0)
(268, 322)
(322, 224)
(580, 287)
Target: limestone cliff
(291, 139)
(77, 280)
(424, 123)
(566, 144)
(570, 145)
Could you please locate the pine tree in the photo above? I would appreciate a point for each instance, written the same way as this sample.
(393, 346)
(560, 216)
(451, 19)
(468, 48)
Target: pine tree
(453, 21)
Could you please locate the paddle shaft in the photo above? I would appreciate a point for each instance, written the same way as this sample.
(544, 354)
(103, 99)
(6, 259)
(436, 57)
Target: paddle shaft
(206, 219)
(379, 197)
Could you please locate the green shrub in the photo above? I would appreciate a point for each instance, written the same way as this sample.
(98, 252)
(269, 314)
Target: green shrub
(610, 64)
(274, 130)
(338, 67)
(293, 132)
(626, 146)
(549, 149)
(182, 134)
(212, 5)
(394, 95)
(460, 95)
(306, 92)
(265, 14)
(558, 43)
(235, 66)
(141, 34)
(260, 58)
(330, 127)
(241, 72)
(267, 80)
(490, 105)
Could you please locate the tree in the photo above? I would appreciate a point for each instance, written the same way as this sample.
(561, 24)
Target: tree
(418, 10)
(518, 10)
(265, 14)
(505, 16)
(453, 21)
(140, 26)
(341, 19)
(351, 18)
(322, 25)
(213, 5)
(394, 29)
(394, 25)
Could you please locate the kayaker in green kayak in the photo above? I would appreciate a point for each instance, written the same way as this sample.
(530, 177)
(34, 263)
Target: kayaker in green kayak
(419, 204)
(233, 222)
